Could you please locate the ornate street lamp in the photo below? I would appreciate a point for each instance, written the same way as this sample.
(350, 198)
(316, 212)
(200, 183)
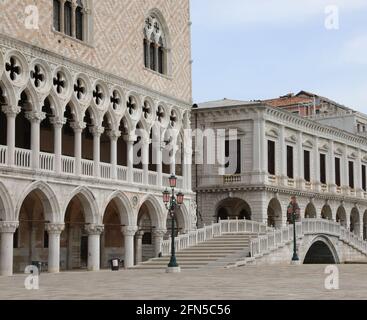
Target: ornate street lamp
(294, 210)
(173, 202)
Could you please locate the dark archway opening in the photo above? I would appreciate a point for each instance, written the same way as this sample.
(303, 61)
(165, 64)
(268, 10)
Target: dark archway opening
(319, 253)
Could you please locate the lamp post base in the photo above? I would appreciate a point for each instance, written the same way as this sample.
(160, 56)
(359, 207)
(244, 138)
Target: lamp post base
(295, 262)
(173, 270)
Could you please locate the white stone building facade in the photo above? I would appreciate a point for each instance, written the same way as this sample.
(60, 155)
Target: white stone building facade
(280, 155)
(91, 125)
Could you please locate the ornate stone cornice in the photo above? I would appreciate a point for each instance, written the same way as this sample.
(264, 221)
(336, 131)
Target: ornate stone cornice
(54, 228)
(94, 229)
(129, 230)
(8, 226)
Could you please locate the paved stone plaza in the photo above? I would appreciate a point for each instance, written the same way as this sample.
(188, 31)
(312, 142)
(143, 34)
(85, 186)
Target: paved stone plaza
(250, 282)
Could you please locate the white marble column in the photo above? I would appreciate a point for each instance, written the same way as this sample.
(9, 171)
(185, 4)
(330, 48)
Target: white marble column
(173, 159)
(7, 230)
(187, 165)
(139, 247)
(130, 140)
(114, 136)
(129, 233)
(73, 19)
(158, 240)
(158, 147)
(11, 114)
(58, 125)
(78, 129)
(332, 178)
(94, 246)
(97, 132)
(145, 159)
(35, 118)
(62, 19)
(54, 231)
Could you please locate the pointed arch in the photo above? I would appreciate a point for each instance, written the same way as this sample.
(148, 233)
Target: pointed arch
(47, 197)
(6, 205)
(89, 203)
(127, 214)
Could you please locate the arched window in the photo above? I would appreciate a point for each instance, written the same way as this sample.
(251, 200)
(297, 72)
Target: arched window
(71, 18)
(155, 47)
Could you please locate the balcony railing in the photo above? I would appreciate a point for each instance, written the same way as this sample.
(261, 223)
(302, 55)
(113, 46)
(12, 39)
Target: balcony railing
(47, 163)
(3, 154)
(68, 165)
(236, 178)
(23, 158)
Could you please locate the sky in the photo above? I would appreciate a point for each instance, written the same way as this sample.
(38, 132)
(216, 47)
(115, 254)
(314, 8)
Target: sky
(259, 49)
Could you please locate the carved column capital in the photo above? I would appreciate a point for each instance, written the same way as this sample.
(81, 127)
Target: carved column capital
(58, 122)
(35, 116)
(78, 126)
(8, 226)
(139, 234)
(130, 138)
(11, 111)
(129, 230)
(94, 229)
(54, 228)
(97, 131)
(114, 134)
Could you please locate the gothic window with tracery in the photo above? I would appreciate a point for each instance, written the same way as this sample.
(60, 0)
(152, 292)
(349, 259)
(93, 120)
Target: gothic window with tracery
(155, 47)
(69, 18)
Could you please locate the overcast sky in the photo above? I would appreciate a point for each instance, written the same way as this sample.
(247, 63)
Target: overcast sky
(257, 49)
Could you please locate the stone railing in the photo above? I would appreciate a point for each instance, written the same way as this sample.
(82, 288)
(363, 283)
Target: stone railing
(47, 163)
(206, 233)
(277, 238)
(3, 153)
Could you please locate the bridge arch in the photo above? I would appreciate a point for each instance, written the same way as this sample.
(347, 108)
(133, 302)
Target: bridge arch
(321, 251)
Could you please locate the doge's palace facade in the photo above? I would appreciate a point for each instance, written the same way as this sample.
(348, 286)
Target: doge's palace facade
(95, 96)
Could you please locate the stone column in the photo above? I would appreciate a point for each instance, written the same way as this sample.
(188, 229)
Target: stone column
(283, 156)
(158, 239)
(130, 140)
(11, 114)
(58, 124)
(358, 174)
(156, 54)
(148, 54)
(62, 13)
(145, 159)
(94, 234)
(73, 19)
(316, 166)
(97, 132)
(54, 231)
(332, 182)
(7, 230)
(129, 233)
(157, 151)
(258, 158)
(187, 165)
(139, 247)
(114, 136)
(35, 119)
(78, 129)
(345, 171)
(173, 159)
(300, 163)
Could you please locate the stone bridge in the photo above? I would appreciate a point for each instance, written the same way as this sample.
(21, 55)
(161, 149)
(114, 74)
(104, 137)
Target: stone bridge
(319, 241)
